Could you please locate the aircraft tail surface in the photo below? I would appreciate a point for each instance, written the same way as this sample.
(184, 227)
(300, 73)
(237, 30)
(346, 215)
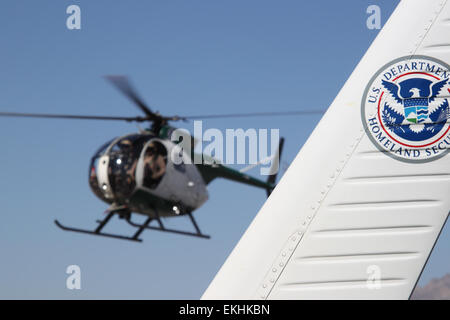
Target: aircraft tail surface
(359, 210)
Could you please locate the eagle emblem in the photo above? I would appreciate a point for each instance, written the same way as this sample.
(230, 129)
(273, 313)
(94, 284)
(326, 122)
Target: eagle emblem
(412, 110)
(405, 109)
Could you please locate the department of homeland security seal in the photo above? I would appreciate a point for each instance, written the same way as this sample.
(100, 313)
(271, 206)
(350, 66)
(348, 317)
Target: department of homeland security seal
(405, 109)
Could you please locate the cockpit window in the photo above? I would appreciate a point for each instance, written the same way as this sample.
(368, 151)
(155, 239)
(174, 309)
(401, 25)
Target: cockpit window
(155, 162)
(123, 158)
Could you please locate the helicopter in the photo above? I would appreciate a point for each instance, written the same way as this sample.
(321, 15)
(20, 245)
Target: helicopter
(134, 173)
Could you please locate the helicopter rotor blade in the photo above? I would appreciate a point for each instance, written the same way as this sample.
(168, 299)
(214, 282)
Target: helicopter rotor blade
(142, 119)
(68, 116)
(123, 84)
(254, 114)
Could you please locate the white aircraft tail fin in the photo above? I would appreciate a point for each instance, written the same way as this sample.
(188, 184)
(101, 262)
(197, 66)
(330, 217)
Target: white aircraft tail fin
(358, 211)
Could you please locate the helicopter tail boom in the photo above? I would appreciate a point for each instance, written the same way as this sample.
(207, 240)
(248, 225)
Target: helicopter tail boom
(211, 171)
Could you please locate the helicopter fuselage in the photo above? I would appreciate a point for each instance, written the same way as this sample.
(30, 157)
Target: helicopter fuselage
(137, 171)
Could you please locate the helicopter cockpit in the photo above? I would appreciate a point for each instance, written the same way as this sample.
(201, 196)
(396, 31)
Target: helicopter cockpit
(113, 167)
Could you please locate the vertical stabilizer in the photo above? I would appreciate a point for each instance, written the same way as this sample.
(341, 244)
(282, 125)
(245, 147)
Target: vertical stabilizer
(358, 211)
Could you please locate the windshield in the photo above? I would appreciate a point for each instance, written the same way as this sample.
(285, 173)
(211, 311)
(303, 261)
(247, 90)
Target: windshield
(123, 158)
(155, 161)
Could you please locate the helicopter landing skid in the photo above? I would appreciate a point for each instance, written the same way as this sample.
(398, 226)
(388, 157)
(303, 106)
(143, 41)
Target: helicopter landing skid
(97, 231)
(161, 226)
(140, 227)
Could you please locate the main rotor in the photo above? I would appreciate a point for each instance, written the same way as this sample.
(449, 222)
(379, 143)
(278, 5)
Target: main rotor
(155, 118)
(123, 84)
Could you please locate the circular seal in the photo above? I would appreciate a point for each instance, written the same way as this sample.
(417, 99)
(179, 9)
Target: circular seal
(405, 109)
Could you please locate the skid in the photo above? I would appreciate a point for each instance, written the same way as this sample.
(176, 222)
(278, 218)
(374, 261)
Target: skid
(109, 235)
(161, 227)
(124, 213)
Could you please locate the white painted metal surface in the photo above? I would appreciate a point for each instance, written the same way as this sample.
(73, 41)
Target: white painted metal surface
(345, 213)
(102, 176)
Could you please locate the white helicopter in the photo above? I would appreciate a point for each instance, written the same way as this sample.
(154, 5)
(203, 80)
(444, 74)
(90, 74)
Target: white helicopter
(136, 174)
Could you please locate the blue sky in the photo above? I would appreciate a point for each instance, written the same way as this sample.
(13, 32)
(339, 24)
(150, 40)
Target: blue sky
(185, 57)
